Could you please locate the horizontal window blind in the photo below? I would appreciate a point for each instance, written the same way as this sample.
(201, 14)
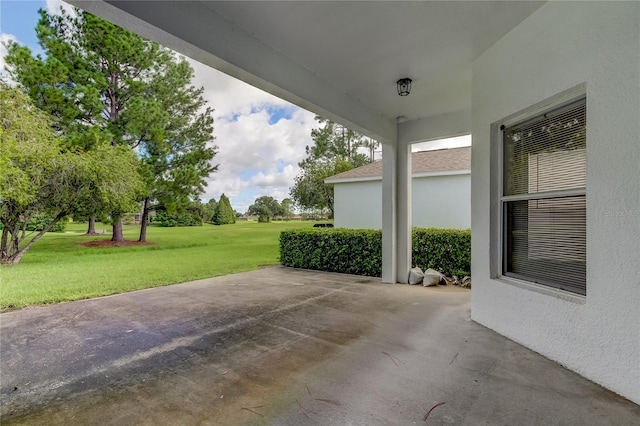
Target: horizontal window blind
(546, 242)
(546, 154)
(544, 199)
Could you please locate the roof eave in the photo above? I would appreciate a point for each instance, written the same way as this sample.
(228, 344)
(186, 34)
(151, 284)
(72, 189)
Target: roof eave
(414, 175)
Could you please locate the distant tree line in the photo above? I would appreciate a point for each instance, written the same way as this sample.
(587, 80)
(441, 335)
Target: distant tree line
(266, 208)
(220, 212)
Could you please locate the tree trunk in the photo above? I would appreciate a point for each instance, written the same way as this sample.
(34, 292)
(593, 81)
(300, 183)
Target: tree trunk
(15, 243)
(16, 257)
(113, 106)
(92, 227)
(117, 236)
(143, 220)
(330, 207)
(4, 245)
(24, 231)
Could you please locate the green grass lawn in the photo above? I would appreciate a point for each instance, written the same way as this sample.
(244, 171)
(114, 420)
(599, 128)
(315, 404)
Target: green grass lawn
(58, 268)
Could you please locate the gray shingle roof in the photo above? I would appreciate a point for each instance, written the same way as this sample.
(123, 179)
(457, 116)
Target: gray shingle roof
(440, 160)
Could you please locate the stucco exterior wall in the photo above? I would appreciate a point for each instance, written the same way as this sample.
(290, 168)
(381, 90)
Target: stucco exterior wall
(560, 46)
(437, 202)
(358, 205)
(441, 201)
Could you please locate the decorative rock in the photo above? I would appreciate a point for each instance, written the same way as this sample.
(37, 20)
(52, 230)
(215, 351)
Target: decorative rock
(466, 282)
(431, 277)
(415, 276)
(447, 281)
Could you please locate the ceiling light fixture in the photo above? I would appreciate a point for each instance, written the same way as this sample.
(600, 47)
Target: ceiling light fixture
(404, 86)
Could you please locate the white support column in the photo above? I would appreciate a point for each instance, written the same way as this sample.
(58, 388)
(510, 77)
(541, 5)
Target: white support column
(389, 244)
(403, 212)
(396, 213)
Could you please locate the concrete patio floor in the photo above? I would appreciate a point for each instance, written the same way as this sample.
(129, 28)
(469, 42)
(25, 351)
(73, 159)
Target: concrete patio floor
(283, 347)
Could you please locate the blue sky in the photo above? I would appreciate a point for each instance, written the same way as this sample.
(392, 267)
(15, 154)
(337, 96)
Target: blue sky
(19, 18)
(260, 138)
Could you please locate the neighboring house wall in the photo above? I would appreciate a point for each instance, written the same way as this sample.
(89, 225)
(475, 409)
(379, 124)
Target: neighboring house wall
(561, 46)
(358, 205)
(437, 202)
(441, 201)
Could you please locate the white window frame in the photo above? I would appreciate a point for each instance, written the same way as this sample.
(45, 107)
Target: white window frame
(499, 200)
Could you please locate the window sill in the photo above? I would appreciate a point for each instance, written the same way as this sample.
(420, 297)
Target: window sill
(548, 291)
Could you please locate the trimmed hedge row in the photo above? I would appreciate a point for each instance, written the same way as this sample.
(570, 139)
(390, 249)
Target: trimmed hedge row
(351, 251)
(445, 250)
(359, 251)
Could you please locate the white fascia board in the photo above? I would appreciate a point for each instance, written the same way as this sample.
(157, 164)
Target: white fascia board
(196, 31)
(435, 127)
(359, 179)
(413, 176)
(444, 173)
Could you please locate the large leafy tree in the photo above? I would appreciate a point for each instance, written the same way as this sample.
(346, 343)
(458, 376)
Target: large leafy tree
(38, 175)
(265, 208)
(287, 208)
(99, 82)
(336, 149)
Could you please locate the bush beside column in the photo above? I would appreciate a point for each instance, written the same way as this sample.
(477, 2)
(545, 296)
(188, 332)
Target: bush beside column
(359, 251)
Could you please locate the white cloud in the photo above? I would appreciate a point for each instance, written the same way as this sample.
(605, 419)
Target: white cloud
(257, 158)
(53, 7)
(255, 155)
(4, 39)
(228, 95)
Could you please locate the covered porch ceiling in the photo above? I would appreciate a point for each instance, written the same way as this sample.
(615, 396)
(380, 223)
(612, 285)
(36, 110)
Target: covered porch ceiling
(338, 59)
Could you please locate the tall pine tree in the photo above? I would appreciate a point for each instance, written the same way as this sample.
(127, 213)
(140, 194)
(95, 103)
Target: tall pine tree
(224, 214)
(99, 82)
(335, 149)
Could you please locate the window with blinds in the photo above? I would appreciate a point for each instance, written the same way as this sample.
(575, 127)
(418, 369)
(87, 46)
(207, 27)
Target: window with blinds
(544, 199)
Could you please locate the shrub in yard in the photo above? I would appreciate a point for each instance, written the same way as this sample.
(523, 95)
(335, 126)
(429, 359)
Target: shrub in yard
(42, 220)
(129, 219)
(358, 251)
(186, 218)
(351, 251)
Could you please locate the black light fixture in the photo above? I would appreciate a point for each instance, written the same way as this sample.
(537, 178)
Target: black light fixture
(404, 86)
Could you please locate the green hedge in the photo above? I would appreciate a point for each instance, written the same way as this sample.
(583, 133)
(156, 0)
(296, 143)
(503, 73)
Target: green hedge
(358, 251)
(445, 250)
(351, 251)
